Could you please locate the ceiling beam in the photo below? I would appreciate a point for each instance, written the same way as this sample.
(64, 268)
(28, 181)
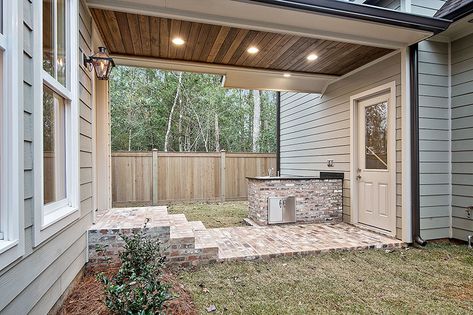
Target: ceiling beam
(237, 77)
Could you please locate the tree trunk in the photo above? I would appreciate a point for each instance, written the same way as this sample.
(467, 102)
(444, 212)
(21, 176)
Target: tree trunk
(129, 139)
(180, 126)
(217, 134)
(256, 120)
(168, 131)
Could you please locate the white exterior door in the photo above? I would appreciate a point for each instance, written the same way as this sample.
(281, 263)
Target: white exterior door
(375, 205)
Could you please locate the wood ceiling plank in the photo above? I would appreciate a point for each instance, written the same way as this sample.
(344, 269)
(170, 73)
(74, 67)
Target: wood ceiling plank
(164, 28)
(203, 34)
(125, 32)
(211, 38)
(173, 33)
(267, 45)
(145, 35)
(256, 42)
(99, 18)
(340, 50)
(194, 35)
(232, 34)
(241, 47)
(135, 33)
(111, 20)
(222, 34)
(282, 45)
(184, 34)
(301, 57)
(154, 26)
(323, 51)
(235, 45)
(291, 53)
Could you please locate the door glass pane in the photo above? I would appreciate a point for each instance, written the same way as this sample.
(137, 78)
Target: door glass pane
(376, 141)
(48, 36)
(54, 147)
(61, 41)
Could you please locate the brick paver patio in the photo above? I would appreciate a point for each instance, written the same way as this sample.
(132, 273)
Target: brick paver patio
(244, 243)
(193, 242)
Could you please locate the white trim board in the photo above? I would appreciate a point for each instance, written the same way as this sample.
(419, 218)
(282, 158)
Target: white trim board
(385, 88)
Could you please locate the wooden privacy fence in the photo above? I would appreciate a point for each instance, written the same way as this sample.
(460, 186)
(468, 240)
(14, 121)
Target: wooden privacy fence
(152, 178)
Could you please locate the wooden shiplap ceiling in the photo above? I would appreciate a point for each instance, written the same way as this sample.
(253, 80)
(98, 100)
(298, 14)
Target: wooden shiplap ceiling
(149, 36)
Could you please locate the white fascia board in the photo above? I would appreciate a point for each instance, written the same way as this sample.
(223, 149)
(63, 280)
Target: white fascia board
(271, 19)
(238, 77)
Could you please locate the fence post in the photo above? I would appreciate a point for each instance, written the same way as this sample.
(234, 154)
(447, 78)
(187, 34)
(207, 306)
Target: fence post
(155, 177)
(222, 176)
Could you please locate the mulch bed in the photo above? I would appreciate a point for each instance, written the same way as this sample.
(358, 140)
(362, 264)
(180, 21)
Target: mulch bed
(88, 296)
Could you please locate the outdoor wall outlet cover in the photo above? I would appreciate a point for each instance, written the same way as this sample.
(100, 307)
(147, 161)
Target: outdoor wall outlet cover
(330, 163)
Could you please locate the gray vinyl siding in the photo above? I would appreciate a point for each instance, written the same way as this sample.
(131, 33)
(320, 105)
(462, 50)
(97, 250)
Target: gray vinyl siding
(462, 136)
(35, 282)
(316, 128)
(434, 140)
(426, 7)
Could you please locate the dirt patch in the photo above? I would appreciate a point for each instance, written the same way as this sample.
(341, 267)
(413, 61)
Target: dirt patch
(460, 292)
(87, 297)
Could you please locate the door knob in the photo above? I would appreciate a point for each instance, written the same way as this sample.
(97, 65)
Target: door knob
(358, 177)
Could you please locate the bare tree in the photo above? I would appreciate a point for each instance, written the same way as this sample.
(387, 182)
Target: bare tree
(168, 131)
(217, 134)
(256, 120)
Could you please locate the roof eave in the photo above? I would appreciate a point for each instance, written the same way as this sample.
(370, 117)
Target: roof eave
(460, 12)
(366, 13)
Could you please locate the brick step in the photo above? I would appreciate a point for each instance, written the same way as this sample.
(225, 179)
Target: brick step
(197, 225)
(203, 240)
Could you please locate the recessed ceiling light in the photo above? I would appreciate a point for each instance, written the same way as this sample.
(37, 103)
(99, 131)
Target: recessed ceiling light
(312, 57)
(252, 50)
(178, 41)
(287, 75)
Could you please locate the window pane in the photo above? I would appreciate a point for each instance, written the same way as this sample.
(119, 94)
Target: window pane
(61, 41)
(54, 153)
(376, 142)
(48, 36)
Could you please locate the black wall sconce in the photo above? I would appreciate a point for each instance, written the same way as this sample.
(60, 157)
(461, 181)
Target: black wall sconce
(101, 62)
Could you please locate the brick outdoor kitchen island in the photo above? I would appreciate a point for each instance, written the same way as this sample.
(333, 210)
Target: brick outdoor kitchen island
(315, 199)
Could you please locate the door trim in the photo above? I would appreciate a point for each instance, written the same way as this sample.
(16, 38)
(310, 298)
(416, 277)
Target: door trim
(382, 89)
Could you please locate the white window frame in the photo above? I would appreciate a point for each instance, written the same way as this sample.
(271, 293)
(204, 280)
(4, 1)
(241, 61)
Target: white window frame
(11, 138)
(52, 218)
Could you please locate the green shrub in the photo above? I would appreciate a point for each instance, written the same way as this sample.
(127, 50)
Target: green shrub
(137, 288)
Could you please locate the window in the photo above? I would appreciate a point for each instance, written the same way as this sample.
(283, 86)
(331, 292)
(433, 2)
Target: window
(54, 147)
(57, 156)
(11, 210)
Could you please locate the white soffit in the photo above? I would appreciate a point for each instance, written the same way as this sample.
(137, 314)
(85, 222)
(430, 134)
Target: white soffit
(271, 19)
(237, 77)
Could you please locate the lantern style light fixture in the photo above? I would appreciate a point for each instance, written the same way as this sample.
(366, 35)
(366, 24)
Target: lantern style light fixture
(101, 62)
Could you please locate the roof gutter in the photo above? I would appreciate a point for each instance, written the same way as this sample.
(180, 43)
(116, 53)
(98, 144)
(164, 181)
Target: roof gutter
(364, 12)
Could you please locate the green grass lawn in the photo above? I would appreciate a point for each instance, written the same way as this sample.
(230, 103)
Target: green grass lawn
(213, 215)
(434, 280)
